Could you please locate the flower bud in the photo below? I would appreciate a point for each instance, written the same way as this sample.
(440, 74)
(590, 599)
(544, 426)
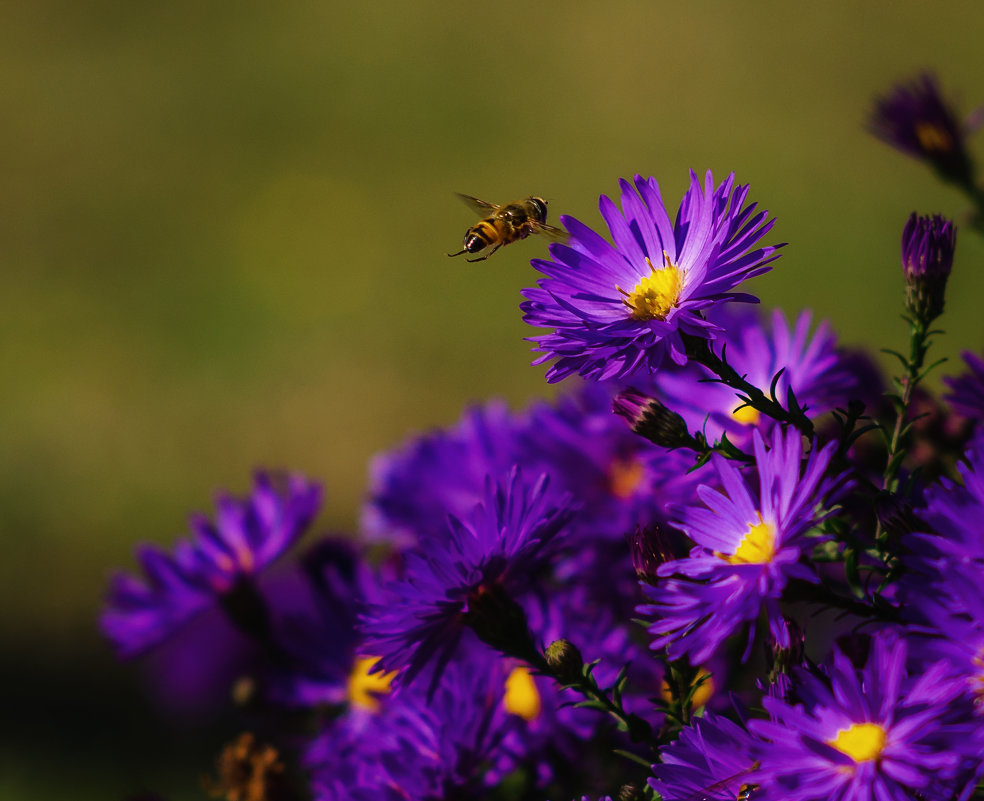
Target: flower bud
(649, 549)
(651, 419)
(927, 258)
(565, 660)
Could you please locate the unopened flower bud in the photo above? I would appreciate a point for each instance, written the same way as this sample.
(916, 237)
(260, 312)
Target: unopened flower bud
(565, 660)
(928, 244)
(651, 419)
(649, 549)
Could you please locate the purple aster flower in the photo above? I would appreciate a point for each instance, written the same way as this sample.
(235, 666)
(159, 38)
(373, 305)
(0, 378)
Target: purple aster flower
(928, 244)
(879, 732)
(811, 365)
(468, 578)
(749, 544)
(451, 743)
(625, 308)
(953, 513)
(916, 119)
(245, 537)
(415, 487)
(967, 391)
(712, 759)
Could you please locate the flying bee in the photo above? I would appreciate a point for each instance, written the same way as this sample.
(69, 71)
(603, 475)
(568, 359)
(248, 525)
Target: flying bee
(501, 225)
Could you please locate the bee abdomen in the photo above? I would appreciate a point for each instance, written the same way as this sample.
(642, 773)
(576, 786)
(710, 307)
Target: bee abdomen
(480, 236)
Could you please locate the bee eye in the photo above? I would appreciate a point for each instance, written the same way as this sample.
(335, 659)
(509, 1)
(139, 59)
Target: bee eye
(473, 244)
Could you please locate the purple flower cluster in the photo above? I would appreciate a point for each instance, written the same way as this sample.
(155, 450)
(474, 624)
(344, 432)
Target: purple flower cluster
(756, 590)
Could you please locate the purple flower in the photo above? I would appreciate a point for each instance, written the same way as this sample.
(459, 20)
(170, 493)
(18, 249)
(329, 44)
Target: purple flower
(967, 391)
(916, 119)
(928, 244)
(414, 488)
(451, 743)
(625, 308)
(246, 536)
(812, 365)
(876, 733)
(712, 759)
(749, 544)
(467, 578)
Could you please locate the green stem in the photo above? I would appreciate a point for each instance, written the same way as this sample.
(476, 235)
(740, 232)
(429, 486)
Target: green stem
(700, 351)
(918, 345)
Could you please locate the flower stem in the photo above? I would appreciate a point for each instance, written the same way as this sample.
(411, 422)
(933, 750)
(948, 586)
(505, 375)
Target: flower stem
(700, 351)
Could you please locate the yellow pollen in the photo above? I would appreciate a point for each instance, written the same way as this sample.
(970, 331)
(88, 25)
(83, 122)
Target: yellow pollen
(521, 698)
(624, 477)
(363, 686)
(757, 547)
(701, 695)
(655, 294)
(862, 742)
(933, 138)
(746, 415)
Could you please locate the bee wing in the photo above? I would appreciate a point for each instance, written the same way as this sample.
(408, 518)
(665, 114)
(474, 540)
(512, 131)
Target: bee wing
(550, 232)
(480, 207)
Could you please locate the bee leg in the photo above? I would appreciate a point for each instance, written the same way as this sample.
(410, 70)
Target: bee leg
(483, 258)
(458, 253)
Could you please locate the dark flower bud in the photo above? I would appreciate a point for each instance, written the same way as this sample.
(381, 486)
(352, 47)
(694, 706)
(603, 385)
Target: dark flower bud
(917, 120)
(649, 548)
(564, 660)
(928, 244)
(651, 419)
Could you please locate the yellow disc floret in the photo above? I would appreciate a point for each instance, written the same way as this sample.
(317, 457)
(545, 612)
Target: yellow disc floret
(862, 742)
(363, 686)
(655, 294)
(625, 477)
(933, 138)
(747, 415)
(522, 698)
(757, 547)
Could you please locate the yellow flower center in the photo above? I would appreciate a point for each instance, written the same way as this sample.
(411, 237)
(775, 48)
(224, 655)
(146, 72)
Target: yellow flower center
(522, 698)
(363, 686)
(933, 138)
(702, 694)
(624, 477)
(655, 294)
(862, 742)
(746, 415)
(757, 547)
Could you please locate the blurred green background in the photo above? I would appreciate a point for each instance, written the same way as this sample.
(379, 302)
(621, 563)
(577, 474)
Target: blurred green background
(222, 240)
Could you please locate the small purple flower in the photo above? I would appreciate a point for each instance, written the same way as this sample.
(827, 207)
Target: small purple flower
(875, 733)
(916, 119)
(928, 244)
(711, 760)
(967, 390)
(625, 308)
(749, 544)
(449, 584)
(246, 536)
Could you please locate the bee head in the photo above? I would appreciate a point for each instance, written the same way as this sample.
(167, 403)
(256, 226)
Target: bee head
(540, 206)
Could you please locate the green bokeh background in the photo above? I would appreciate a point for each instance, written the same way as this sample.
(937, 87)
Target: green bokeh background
(222, 238)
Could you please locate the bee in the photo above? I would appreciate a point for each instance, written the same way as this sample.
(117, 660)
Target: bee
(501, 225)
